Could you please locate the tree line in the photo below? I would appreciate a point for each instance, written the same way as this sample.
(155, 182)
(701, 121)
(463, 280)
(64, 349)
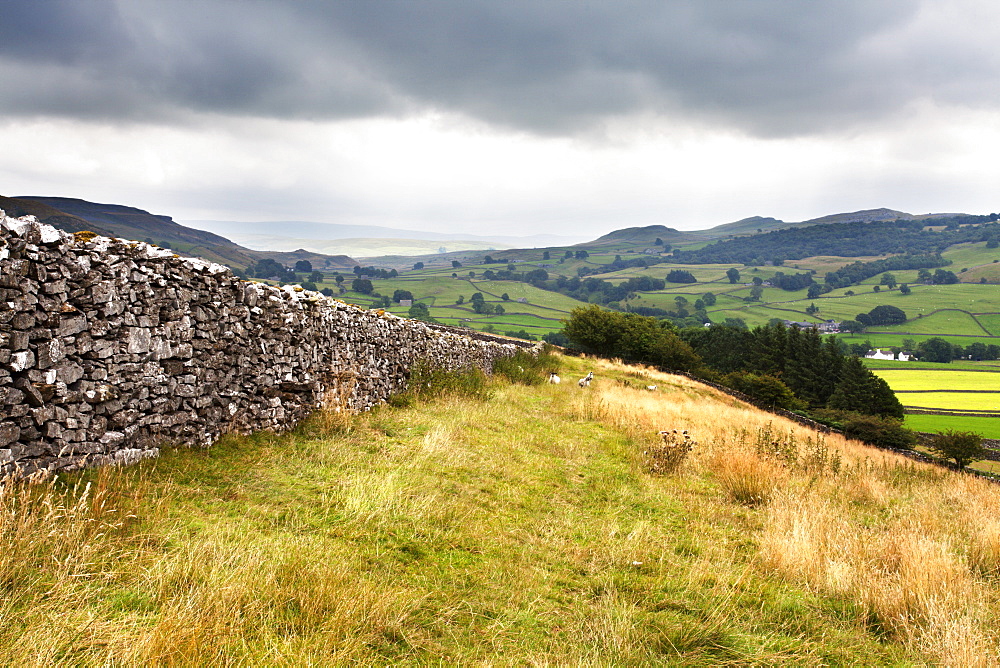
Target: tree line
(779, 366)
(898, 237)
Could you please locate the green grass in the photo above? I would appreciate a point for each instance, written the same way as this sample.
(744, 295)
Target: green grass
(970, 255)
(451, 531)
(990, 272)
(991, 322)
(988, 427)
(939, 322)
(888, 340)
(705, 273)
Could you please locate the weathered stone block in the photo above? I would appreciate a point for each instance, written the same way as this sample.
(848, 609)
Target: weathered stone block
(9, 433)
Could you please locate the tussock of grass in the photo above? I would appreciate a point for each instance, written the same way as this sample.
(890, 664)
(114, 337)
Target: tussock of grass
(745, 477)
(491, 522)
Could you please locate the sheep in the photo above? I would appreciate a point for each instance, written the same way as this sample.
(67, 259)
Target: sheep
(651, 388)
(553, 378)
(585, 382)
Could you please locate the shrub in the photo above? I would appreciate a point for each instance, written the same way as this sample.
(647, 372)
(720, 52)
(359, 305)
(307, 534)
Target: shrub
(629, 336)
(681, 276)
(886, 432)
(666, 457)
(766, 389)
(964, 447)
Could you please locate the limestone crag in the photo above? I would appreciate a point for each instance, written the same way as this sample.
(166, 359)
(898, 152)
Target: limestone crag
(110, 348)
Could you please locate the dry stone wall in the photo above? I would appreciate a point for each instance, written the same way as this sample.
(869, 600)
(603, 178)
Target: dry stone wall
(111, 348)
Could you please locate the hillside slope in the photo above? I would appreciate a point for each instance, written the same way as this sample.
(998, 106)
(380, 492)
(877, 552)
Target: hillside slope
(132, 223)
(751, 225)
(50, 216)
(511, 523)
(754, 225)
(645, 235)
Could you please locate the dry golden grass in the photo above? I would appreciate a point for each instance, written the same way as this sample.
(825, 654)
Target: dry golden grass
(745, 477)
(915, 549)
(523, 529)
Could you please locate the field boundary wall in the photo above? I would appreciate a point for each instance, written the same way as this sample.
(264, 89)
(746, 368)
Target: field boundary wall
(110, 349)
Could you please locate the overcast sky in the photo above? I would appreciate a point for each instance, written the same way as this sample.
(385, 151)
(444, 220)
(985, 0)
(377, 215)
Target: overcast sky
(503, 116)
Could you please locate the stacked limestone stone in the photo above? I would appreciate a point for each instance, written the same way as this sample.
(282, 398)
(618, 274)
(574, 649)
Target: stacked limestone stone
(110, 348)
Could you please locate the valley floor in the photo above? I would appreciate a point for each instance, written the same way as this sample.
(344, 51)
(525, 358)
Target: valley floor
(523, 528)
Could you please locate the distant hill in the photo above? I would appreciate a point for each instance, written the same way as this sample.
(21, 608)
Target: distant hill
(73, 215)
(755, 225)
(865, 216)
(50, 216)
(750, 225)
(647, 235)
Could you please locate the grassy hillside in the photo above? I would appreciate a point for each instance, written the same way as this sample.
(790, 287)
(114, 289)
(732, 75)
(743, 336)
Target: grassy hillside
(17, 208)
(514, 524)
(132, 223)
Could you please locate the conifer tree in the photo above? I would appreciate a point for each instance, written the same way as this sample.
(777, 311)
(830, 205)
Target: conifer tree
(861, 391)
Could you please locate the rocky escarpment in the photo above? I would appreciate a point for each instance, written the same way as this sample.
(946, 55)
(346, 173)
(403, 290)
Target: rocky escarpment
(110, 348)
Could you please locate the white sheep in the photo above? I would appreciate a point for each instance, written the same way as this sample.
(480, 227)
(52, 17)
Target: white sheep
(651, 388)
(585, 382)
(554, 379)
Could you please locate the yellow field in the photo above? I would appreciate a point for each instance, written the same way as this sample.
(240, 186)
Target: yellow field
(953, 401)
(901, 380)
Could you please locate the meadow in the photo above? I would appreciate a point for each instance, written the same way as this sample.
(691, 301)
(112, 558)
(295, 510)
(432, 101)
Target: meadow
(943, 321)
(915, 383)
(888, 339)
(987, 427)
(952, 401)
(943, 379)
(520, 524)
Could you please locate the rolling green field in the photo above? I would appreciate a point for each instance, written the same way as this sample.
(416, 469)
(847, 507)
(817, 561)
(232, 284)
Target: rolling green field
(990, 272)
(987, 427)
(705, 273)
(970, 255)
(945, 321)
(990, 321)
(962, 313)
(888, 340)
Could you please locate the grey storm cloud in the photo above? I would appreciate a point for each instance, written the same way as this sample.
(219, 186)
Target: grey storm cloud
(768, 67)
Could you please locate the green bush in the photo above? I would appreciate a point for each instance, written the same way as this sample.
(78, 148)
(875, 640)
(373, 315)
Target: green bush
(886, 432)
(964, 447)
(629, 336)
(768, 390)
